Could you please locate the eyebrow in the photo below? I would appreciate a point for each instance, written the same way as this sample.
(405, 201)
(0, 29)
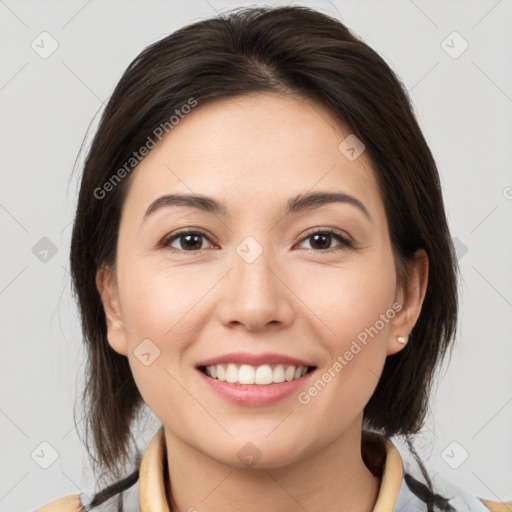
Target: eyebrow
(295, 204)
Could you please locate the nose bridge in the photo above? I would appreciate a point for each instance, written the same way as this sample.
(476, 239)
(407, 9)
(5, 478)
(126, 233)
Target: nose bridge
(252, 272)
(253, 294)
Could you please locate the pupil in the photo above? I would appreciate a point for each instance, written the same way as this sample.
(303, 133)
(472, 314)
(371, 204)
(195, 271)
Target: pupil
(324, 236)
(188, 237)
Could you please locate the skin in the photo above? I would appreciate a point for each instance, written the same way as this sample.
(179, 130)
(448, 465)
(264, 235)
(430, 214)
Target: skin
(309, 301)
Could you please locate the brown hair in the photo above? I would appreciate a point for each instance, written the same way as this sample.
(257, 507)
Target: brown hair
(283, 50)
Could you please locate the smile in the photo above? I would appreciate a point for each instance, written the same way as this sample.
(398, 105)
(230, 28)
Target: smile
(262, 375)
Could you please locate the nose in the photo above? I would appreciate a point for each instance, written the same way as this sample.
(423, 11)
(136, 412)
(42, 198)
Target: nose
(255, 294)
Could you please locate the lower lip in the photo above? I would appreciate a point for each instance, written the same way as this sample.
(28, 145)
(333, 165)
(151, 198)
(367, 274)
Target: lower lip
(254, 395)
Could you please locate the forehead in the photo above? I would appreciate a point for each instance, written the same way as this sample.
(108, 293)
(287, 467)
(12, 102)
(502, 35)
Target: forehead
(262, 148)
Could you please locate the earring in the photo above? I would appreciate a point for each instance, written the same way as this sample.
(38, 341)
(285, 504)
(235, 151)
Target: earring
(402, 340)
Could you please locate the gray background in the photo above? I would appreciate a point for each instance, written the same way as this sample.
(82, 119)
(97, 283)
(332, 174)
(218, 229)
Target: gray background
(464, 106)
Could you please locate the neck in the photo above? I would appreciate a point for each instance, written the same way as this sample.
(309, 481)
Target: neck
(332, 478)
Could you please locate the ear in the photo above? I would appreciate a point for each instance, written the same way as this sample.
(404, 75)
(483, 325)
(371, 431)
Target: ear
(107, 288)
(410, 298)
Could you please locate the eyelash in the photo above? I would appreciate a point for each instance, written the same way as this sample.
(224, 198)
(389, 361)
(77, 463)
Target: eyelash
(345, 242)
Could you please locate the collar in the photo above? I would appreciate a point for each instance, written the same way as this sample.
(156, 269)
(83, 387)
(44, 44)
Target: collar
(152, 496)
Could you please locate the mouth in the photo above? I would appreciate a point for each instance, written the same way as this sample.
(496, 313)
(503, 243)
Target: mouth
(263, 375)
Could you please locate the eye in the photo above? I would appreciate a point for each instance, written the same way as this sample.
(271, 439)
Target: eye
(188, 241)
(323, 239)
(191, 240)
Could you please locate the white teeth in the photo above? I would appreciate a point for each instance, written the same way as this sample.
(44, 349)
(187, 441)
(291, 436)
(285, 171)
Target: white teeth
(261, 375)
(246, 374)
(278, 375)
(221, 373)
(232, 373)
(289, 373)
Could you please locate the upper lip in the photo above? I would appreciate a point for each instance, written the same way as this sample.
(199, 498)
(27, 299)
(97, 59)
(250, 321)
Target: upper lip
(254, 359)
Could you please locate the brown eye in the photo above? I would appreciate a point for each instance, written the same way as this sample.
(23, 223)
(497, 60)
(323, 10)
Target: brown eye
(188, 241)
(322, 240)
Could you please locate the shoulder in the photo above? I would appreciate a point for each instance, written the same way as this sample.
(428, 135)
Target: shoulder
(126, 500)
(414, 492)
(69, 503)
(496, 506)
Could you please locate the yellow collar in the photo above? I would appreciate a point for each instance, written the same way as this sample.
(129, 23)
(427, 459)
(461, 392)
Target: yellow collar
(152, 497)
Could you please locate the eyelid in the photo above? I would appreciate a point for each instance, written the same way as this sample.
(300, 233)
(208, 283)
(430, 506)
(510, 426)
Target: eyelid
(318, 229)
(165, 242)
(345, 240)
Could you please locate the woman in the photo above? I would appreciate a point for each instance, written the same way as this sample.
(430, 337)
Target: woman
(261, 256)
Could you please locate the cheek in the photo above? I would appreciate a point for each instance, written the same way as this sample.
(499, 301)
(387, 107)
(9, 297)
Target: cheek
(160, 327)
(354, 306)
(160, 316)
(159, 301)
(351, 298)
(340, 306)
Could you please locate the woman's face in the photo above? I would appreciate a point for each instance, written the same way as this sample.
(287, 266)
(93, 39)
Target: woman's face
(257, 286)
